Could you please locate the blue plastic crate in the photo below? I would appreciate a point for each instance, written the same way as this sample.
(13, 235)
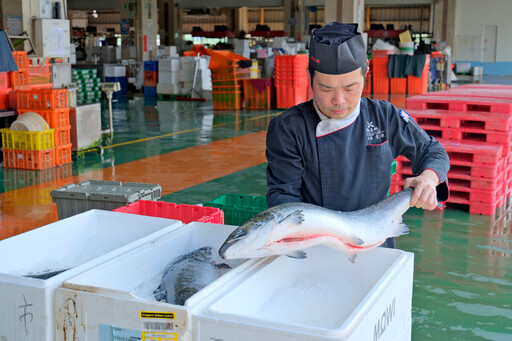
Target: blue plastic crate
(123, 81)
(151, 65)
(149, 91)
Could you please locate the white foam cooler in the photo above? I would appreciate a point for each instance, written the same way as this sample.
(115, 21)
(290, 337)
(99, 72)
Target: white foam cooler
(322, 297)
(114, 301)
(74, 244)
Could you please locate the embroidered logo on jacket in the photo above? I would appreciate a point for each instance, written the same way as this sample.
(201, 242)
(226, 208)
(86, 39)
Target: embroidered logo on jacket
(373, 133)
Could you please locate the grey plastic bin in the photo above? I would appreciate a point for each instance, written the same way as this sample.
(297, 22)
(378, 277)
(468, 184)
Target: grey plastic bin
(104, 195)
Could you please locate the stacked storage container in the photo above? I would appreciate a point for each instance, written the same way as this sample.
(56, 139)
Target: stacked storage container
(258, 93)
(419, 85)
(150, 77)
(227, 87)
(5, 89)
(20, 77)
(380, 77)
(474, 124)
(88, 86)
(123, 82)
(168, 77)
(291, 80)
(38, 72)
(28, 149)
(52, 105)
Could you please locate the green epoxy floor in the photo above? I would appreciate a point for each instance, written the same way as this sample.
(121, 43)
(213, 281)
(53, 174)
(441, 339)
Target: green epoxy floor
(463, 263)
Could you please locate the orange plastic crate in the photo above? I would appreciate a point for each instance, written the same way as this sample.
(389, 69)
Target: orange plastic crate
(5, 80)
(19, 78)
(29, 159)
(220, 58)
(42, 98)
(56, 118)
(227, 100)
(397, 85)
(20, 57)
(368, 84)
(288, 95)
(150, 78)
(62, 136)
(255, 99)
(4, 98)
(380, 81)
(168, 210)
(63, 154)
(418, 85)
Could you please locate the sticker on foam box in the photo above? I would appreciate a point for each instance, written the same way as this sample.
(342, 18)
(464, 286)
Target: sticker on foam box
(323, 297)
(57, 252)
(118, 296)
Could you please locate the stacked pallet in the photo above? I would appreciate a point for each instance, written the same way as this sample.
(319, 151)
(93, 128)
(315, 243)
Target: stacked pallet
(291, 80)
(52, 105)
(475, 127)
(88, 86)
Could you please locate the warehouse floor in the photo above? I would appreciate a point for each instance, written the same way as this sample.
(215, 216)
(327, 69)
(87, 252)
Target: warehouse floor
(462, 260)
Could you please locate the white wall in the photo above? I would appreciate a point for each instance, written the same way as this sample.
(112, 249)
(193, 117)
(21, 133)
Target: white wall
(471, 16)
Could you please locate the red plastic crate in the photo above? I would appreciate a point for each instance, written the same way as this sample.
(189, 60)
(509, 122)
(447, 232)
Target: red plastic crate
(5, 80)
(380, 81)
(63, 154)
(368, 84)
(183, 212)
(256, 99)
(397, 85)
(224, 100)
(4, 98)
(56, 118)
(150, 78)
(288, 95)
(62, 136)
(29, 159)
(20, 57)
(417, 85)
(42, 98)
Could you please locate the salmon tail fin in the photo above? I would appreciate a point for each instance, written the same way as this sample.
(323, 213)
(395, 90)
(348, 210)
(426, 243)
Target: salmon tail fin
(400, 229)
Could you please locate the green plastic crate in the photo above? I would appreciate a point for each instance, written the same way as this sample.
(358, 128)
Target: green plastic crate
(238, 208)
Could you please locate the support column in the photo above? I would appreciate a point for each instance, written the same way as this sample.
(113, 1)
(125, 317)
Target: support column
(139, 25)
(295, 19)
(345, 11)
(168, 22)
(444, 21)
(17, 17)
(241, 20)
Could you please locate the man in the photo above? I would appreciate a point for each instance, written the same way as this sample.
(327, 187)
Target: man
(336, 150)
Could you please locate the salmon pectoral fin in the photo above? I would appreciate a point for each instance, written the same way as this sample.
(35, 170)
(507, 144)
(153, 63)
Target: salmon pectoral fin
(297, 254)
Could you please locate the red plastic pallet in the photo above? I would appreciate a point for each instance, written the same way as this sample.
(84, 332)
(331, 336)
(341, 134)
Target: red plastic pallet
(460, 103)
(474, 120)
(468, 168)
(469, 134)
(183, 212)
(473, 152)
(486, 86)
(475, 92)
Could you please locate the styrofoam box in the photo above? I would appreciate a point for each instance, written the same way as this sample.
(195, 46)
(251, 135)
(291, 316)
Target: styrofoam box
(77, 243)
(322, 297)
(114, 71)
(171, 64)
(168, 89)
(168, 77)
(115, 298)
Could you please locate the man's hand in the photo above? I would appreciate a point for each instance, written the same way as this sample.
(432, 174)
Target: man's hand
(424, 195)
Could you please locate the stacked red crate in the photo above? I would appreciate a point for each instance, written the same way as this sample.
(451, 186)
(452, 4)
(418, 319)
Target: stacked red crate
(52, 105)
(380, 76)
(38, 71)
(291, 80)
(476, 131)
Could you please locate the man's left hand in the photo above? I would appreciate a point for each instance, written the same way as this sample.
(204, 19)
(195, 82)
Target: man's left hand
(424, 195)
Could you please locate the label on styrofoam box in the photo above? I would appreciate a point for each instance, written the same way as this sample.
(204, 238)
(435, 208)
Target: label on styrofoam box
(159, 336)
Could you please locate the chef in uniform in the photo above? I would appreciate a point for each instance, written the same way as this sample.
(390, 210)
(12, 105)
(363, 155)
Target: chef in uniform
(336, 150)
